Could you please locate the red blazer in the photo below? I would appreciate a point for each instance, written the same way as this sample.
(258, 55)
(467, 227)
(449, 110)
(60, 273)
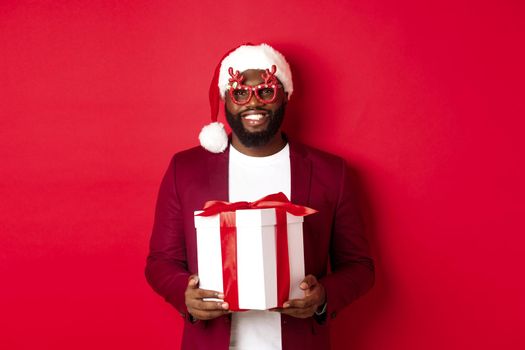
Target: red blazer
(335, 234)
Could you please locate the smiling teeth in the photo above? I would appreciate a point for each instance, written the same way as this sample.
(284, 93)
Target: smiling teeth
(254, 117)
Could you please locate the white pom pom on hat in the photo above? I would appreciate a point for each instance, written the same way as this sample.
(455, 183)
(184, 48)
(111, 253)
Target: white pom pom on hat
(213, 137)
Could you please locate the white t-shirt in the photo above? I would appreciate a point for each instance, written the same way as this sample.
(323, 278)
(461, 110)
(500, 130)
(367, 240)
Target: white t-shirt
(251, 178)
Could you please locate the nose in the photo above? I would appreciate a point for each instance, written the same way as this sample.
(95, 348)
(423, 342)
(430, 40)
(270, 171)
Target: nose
(254, 101)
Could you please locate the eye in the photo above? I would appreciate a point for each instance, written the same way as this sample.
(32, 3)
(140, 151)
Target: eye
(240, 92)
(266, 92)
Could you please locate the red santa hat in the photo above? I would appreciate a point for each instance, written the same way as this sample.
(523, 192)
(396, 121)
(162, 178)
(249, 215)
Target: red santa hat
(213, 137)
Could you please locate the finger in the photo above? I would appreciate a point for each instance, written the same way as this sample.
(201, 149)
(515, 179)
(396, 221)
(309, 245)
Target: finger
(208, 305)
(193, 281)
(298, 303)
(308, 282)
(205, 293)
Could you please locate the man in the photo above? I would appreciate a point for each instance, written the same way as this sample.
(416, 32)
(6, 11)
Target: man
(255, 82)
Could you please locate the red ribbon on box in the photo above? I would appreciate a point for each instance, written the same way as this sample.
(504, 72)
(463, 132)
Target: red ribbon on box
(282, 205)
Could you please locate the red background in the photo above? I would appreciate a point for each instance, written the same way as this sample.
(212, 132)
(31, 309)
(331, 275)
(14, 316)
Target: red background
(424, 100)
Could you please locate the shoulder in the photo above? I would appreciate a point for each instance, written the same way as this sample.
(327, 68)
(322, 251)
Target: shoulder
(195, 156)
(196, 152)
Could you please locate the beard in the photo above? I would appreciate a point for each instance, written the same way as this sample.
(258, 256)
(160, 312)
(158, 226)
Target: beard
(259, 138)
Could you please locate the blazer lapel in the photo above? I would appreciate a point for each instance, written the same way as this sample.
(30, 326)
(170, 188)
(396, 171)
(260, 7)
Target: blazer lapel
(218, 175)
(301, 173)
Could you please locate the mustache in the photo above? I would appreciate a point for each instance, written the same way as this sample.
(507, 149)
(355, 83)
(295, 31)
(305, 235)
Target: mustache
(255, 109)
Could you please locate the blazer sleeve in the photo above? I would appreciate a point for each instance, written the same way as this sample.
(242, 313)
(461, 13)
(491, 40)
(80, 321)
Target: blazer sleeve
(166, 267)
(352, 268)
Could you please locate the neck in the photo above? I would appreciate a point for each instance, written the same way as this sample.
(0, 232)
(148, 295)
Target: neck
(276, 144)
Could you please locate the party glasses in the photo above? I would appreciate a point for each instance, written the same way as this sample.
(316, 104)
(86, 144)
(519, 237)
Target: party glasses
(265, 92)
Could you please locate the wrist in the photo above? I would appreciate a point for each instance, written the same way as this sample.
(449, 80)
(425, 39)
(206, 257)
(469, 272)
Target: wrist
(192, 318)
(321, 309)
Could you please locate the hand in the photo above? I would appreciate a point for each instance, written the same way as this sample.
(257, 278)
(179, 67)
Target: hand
(200, 309)
(314, 297)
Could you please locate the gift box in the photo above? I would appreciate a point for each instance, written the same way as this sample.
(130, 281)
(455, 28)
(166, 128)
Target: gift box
(252, 252)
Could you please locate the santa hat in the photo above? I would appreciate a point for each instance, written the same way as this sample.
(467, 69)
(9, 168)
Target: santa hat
(213, 136)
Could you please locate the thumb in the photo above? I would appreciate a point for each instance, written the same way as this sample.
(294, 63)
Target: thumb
(308, 282)
(193, 281)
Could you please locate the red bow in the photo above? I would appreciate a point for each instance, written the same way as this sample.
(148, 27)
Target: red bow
(276, 200)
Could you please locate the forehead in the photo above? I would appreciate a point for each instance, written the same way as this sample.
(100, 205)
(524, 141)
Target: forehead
(252, 76)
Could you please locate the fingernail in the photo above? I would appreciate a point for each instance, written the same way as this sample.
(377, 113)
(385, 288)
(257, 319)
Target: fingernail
(286, 305)
(225, 306)
(304, 286)
(220, 295)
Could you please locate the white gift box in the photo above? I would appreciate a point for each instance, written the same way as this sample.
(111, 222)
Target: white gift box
(256, 256)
